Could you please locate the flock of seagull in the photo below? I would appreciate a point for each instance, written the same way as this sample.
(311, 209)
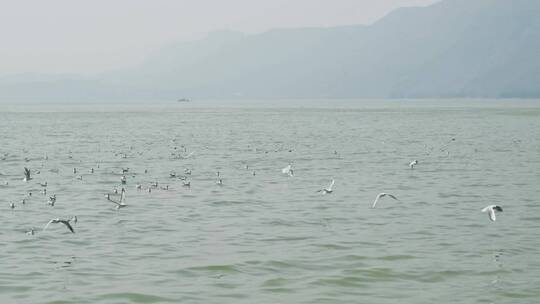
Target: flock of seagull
(118, 198)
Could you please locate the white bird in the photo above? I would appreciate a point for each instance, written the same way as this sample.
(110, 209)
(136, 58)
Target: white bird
(220, 182)
(31, 231)
(122, 202)
(12, 205)
(138, 187)
(491, 211)
(382, 195)
(186, 183)
(43, 184)
(52, 200)
(327, 190)
(413, 163)
(27, 174)
(123, 179)
(65, 222)
(288, 170)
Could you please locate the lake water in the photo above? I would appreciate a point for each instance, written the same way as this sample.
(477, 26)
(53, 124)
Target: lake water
(270, 238)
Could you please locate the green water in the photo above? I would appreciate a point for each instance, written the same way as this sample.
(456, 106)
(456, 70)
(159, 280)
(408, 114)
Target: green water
(271, 238)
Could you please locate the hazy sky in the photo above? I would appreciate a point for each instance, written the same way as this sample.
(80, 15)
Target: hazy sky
(76, 36)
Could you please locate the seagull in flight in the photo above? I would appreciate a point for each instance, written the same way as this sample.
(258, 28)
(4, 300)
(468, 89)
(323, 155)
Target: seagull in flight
(327, 190)
(491, 211)
(26, 174)
(65, 222)
(382, 195)
(122, 202)
(288, 170)
(413, 163)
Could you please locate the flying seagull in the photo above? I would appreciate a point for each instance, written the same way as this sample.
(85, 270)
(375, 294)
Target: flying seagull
(122, 202)
(26, 174)
(65, 222)
(382, 195)
(327, 190)
(491, 211)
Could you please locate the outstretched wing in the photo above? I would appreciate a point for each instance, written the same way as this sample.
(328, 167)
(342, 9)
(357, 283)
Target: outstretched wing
(376, 200)
(392, 197)
(68, 225)
(331, 185)
(47, 225)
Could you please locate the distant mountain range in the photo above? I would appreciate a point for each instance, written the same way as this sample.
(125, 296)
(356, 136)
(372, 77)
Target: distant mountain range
(454, 48)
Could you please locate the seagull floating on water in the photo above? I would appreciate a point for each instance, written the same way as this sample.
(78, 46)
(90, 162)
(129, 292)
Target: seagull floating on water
(327, 190)
(65, 222)
(12, 205)
(413, 163)
(491, 211)
(382, 195)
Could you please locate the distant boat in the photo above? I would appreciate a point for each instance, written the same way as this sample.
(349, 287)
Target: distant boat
(184, 100)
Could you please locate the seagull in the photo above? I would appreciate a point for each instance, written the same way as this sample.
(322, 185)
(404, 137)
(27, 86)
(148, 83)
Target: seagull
(382, 195)
(43, 184)
(138, 187)
(31, 231)
(74, 170)
(123, 179)
(187, 171)
(220, 182)
(52, 200)
(492, 209)
(172, 174)
(186, 184)
(65, 222)
(327, 190)
(288, 170)
(91, 170)
(413, 163)
(26, 174)
(12, 205)
(122, 202)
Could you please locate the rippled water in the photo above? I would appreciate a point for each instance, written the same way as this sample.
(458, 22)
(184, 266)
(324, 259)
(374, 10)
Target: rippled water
(270, 238)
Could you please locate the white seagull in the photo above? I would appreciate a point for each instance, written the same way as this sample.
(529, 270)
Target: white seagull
(288, 170)
(382, 195)
(413, 163)
(122, 202)
(327, 190)
(491, 211)
(65, 222)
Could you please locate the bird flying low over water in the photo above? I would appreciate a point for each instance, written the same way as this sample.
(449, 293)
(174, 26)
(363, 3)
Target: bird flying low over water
(27, 174)
(491, 211)
(327, 190)
(122, 202)
(380, 195)
(65, 222)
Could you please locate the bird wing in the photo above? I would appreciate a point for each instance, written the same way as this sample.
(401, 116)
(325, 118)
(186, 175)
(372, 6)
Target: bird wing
(492, 216)
(331, 185)
(68, 225)
(47, 225)
(123, 197)
(114, 202)
(392, 197)
(376, 200)
(26, 172)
